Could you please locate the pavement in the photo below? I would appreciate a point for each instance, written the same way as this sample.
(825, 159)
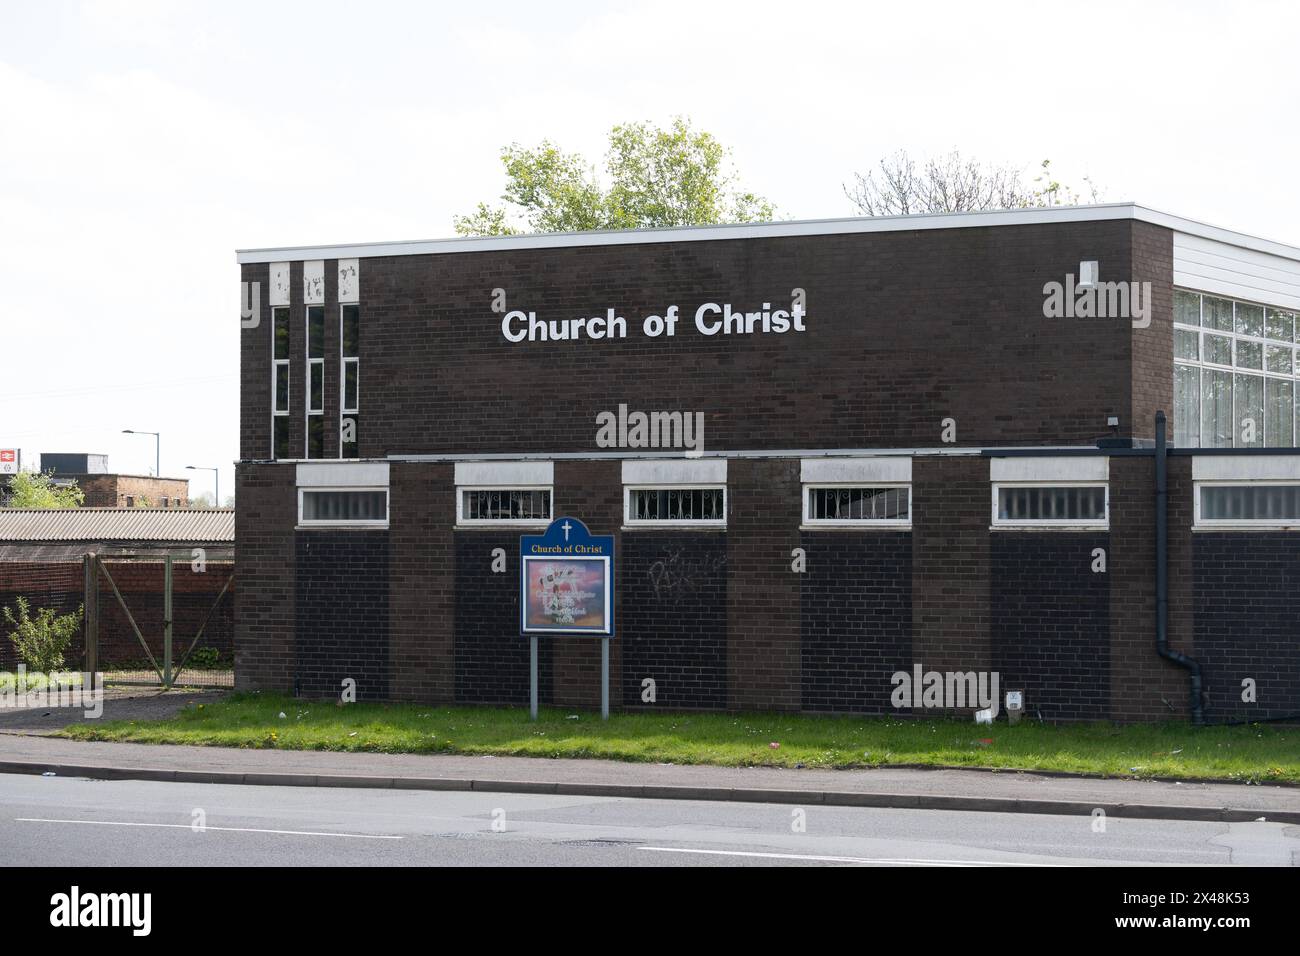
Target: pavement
(120, 703)
(26, 748)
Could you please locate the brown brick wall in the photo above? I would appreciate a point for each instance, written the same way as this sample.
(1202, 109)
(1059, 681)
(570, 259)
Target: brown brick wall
(194, 595)
(763, 663)
(950, 563)
(264, 561)
(1153, 347)
(422, 574)
(1145, 686)
(593, 491)
(111, 491)
(903, 329)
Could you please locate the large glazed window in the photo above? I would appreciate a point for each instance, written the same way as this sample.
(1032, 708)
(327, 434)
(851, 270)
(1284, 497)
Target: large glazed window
(1234, 373)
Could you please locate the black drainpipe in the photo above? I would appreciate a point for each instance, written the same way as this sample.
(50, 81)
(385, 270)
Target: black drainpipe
(1162, 575)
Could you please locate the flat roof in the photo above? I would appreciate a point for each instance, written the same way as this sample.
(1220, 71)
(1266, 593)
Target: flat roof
(766, 230)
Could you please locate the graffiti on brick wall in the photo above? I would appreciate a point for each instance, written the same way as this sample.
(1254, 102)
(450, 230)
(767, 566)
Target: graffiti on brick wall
(677, 574)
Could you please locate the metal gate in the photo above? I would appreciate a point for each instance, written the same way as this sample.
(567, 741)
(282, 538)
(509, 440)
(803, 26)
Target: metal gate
(185, 659)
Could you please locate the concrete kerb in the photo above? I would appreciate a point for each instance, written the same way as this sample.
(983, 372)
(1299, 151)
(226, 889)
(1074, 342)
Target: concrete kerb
(829, 798)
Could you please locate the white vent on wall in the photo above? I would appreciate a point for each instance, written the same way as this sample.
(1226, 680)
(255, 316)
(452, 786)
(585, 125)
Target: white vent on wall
(1088, 274)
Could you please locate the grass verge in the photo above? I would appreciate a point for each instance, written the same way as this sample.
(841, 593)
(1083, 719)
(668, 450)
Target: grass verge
(1251, 753)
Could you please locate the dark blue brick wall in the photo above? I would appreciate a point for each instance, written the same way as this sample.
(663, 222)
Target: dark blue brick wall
(855, 618)
(1246, 599)
(673, 617)
(491, 656)
(341, 624)
(1051, 622)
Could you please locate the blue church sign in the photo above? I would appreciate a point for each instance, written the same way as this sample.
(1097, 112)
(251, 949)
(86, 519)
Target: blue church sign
(566, 581)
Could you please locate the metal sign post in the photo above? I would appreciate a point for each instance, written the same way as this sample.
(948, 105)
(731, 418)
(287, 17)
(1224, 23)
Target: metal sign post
(566, 586)
(604, 678)
(532, 676)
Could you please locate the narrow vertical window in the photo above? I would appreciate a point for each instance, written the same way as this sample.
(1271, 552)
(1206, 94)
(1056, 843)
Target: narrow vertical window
(315, 381)
(349, 379)
(280, 382)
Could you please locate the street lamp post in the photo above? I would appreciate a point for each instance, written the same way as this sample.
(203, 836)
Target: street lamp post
(216, 481)
(157, 461)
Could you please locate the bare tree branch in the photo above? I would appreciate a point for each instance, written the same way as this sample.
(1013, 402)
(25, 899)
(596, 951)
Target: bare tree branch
(954, 183)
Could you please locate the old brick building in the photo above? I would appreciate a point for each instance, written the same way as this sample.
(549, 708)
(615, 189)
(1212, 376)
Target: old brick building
(106, 489)
(921, 440)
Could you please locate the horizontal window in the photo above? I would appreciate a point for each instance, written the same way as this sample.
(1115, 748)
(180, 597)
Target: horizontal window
(352, 506)
(1055, 505)
(857, 504)
(504, 506)
(1251, 504)
(681, 505)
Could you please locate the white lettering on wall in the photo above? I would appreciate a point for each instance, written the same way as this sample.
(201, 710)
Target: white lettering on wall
(711, 318)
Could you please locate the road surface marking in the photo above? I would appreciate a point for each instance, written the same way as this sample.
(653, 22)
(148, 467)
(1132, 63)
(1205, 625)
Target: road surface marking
(836, 859)
(187, 826)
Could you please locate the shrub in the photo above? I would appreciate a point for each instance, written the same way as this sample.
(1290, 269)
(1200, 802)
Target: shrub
(40, 641)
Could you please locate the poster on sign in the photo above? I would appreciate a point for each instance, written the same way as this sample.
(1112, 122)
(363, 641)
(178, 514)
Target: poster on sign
(566, 581)
(9, 461)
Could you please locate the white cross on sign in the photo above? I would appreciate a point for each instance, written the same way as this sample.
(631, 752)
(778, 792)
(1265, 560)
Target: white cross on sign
(566, 526)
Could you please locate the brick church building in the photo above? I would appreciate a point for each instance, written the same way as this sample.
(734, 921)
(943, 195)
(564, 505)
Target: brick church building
(828, 451)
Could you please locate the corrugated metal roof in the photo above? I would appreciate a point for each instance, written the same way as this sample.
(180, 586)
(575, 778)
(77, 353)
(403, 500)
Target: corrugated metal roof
(208, 525)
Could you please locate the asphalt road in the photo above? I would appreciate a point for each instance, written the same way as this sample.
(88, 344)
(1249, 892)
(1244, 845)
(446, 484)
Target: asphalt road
(79, 822)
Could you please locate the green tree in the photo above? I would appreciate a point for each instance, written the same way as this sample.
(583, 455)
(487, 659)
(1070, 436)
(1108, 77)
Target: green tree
(29, 489)
(42, 640)
(657, 177)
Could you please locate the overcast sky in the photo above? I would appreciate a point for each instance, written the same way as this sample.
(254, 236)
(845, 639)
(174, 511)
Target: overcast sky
(141, 143)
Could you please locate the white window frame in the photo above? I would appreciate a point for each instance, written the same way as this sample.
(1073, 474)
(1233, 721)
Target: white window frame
(464, 522)
(343, 392)
(344, 409)
(308, 412)
(863, 524)
(1263, 340)
(1050, 524)
(347, 523)
(678, 523)
(1240, 524)
(277, 412)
